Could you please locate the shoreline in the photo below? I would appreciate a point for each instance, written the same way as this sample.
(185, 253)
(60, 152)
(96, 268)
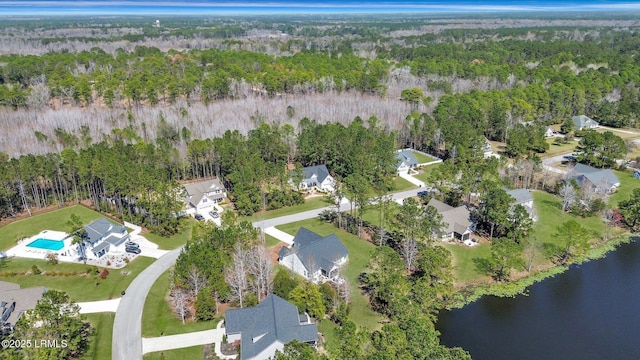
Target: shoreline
(472, 293)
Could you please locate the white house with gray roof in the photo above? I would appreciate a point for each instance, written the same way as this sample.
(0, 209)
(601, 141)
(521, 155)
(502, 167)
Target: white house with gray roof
(523, 197)
(315, 257)
(202, 195)
(101, 237)
(457, 221)
(267, 327)
(406, 161)
(315, 177)
(583, 122)
(601, 181)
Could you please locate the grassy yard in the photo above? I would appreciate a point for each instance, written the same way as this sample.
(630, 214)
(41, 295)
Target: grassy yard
(627, 184)
(426, 172)
(179, 239)
(194, 352)
(359, 251)
(100, 342)
(550, 217)
(422, 158)
(310, 204)
(270, 241)
(400, 184)
(462, 257)
(158, 318)
(555, 150)
(372, 214)
(328, 330)
(81, 287)
(54, 220)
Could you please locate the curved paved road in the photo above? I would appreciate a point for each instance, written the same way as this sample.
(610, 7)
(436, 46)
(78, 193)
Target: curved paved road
(127, 325)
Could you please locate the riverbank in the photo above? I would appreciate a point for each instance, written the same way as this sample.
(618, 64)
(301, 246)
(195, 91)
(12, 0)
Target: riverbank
(519, 286)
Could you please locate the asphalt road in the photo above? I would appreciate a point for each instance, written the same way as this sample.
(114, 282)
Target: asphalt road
(262, 224)
(127, 326)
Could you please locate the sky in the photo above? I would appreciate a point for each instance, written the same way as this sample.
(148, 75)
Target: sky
(124, 7)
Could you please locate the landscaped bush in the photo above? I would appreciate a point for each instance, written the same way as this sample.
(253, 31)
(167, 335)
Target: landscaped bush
(35, 270)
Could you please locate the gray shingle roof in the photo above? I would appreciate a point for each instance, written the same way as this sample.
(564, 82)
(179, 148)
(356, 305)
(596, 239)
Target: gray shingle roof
(314, 251)
(319, 171)
(25, 299)
(599, 177)
(196, 191)
(455, 219)
(274, 319)
(520, 195)
(407, 157)
(582, 121)
(97, 229)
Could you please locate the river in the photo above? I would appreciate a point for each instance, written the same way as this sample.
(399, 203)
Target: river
(591, 311)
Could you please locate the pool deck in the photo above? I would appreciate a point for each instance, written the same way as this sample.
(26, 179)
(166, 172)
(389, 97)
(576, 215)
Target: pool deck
(114, 259)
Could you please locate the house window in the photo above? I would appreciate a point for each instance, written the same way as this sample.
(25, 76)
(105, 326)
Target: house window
(204, 200)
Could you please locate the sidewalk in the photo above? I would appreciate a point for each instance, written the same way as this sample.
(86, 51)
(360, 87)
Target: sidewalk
(280, 235)
(91, 307)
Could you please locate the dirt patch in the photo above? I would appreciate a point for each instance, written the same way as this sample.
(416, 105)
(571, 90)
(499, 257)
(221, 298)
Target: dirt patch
(273, 252)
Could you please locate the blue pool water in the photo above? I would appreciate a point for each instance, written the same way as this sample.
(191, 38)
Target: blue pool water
(47, 244)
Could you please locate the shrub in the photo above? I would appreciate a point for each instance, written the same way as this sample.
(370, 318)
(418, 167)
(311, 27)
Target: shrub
(35, 270)
(104, 273)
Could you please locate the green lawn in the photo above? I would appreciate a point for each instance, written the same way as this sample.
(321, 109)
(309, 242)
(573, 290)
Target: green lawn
(426, 172)
(462, 257)
(422, 158)
(158, 318)
(81, 287)
(372, 214)
(310, 204)
(359, 251)
(328, 330)
(194, 352)
(400, 184)
(627, 184)
(559, 149)
(54, 220)
(550, 217)
(100, 342)
(270, 241)
(177, 240)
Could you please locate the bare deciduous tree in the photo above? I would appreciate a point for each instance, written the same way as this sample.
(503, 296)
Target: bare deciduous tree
(236, 274)
(261, 268)
(568, 194)
(197, 280)
(409, 251)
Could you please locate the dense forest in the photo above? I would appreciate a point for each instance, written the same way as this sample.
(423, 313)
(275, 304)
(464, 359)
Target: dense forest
(123, 127)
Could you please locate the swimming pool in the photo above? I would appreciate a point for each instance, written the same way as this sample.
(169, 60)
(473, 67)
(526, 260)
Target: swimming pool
(47, 244)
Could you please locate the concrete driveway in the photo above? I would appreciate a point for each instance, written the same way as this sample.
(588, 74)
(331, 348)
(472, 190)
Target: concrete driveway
(91, 307)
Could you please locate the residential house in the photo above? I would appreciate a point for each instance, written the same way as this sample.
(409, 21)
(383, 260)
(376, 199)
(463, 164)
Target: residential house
(523, 197)
(406, 161)
(202, 195)
(549, 132)
(315, 257)
(457, 221)
(315, 177)
(14, 302)
(601, 181)
(102, 236)
(267, 327)
(582, 122)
